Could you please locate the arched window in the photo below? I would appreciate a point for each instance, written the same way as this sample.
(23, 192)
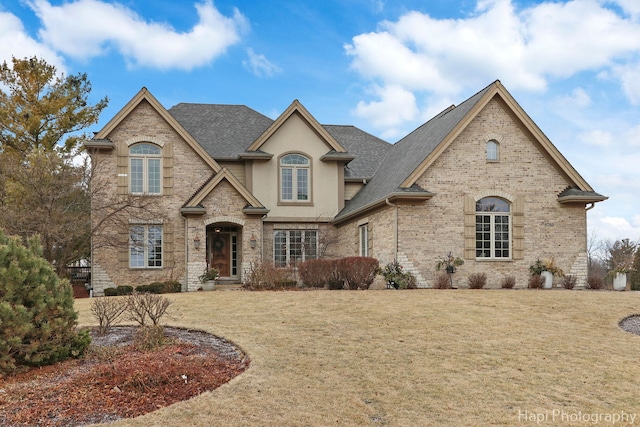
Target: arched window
(492, 151)
(145, 169)
(493, 228)
(294, 178)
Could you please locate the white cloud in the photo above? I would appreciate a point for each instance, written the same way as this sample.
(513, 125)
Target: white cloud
(579, 98)
(632, 7)
(598, 138)
(14, 41)
(259, 65)
(524, 48)
(88, 28)
(629, 75)
(396, 106)
(631, 137)
(613, 227)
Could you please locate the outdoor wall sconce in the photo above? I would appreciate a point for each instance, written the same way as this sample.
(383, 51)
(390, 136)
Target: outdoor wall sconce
(253, 241)
(196, 242)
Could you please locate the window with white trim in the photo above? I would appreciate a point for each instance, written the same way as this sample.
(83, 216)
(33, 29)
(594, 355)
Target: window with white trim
(492, 151)
(291, 247)
(145, 169)
(145, 246)
(493, 228)
(363, 232)
(294, 178)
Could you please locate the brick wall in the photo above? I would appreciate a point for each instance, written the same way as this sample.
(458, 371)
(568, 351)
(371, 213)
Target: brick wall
(429, 231)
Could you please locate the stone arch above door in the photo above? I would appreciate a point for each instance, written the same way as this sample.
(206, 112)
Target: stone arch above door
(225, 219)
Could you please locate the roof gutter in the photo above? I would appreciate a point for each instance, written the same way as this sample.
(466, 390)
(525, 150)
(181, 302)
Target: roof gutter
(419, 196)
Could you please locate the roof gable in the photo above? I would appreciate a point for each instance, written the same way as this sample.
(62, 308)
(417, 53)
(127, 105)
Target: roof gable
(410, 157)
(213, 182)
(297, 108)
(496, 89)
(145, 96)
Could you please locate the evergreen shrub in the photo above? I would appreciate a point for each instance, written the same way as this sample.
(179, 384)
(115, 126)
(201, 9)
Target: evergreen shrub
(37, 321)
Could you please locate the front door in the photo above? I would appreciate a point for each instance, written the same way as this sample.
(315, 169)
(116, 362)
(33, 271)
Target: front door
(220, 253)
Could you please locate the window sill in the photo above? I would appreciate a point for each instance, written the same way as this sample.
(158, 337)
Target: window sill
(295, 203)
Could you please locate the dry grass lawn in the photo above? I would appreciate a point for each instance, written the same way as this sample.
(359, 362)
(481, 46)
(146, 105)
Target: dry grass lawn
(412, 358)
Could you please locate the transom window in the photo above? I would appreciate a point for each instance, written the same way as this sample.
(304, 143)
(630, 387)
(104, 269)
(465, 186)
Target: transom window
(145, 168)
(294, 178)
(145, 246)
(291, 247)
(493, 228)
(492, 151)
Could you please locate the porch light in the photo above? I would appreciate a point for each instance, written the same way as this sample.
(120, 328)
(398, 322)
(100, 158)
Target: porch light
(253, 241)
(196, 242)
(217, 230)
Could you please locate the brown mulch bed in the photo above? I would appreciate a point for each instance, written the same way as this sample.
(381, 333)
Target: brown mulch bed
(115, 380)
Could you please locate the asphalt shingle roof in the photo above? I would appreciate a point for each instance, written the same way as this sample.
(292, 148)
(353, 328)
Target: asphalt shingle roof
(226, 131)
(407, 154)
(368, 150)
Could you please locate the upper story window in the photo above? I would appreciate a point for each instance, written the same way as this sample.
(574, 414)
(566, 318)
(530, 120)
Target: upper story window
(493, 228)
(145, 169)
(492, 151)
(294, 178)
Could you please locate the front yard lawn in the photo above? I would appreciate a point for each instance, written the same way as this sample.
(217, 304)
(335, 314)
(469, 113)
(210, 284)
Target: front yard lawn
(409, 358)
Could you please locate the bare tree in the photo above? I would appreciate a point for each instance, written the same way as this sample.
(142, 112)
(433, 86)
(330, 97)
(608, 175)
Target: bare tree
(112, 212)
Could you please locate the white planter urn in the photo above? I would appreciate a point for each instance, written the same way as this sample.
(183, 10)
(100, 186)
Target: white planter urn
(620, 282)
(209, 285)
(548, 279)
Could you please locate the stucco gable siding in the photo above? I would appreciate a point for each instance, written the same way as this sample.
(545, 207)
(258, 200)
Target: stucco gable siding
(296, 136)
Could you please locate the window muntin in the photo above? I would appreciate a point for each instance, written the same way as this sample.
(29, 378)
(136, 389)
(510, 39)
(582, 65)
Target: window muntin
(145, 246)
(493, 228)
(291, 247)
(145, 169)
(364, 239)
(492, 151)
(294, 178)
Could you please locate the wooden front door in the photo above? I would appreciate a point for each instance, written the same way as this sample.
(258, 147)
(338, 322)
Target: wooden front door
(220, 254)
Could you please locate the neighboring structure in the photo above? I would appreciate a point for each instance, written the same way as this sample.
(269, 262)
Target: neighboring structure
(203, 185)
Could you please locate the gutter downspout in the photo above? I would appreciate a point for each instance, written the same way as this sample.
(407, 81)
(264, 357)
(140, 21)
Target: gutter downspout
(395, 230)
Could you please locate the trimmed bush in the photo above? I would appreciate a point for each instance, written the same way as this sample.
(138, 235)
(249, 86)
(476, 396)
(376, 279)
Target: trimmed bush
(536, 281)
(508, 282)
(37, 321)
(160, 287)
(120, 290)
(265, 276)
(477, 280)
(357, 272)
(442, 281)
(569, 281)
(595, 282)
(317, 273)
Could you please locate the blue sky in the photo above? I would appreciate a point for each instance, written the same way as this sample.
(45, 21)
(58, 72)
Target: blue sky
(384, 66)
